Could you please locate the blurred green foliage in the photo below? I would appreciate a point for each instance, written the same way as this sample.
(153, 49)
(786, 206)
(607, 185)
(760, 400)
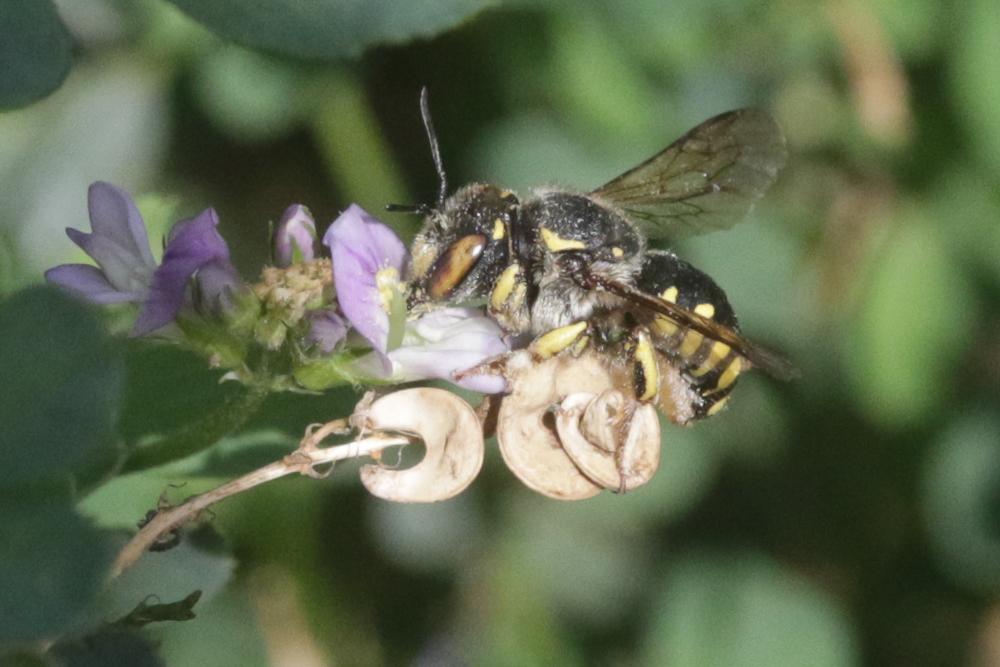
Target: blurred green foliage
(849, 517)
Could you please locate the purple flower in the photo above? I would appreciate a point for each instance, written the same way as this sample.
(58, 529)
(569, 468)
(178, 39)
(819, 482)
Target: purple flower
(193, 246)
(119, 245)
(295, 237)
(368, 260)
(326, 329)
(127, 272)
(368, 263)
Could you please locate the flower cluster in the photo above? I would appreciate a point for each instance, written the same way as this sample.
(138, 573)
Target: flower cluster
(565, 426)
(323, 320)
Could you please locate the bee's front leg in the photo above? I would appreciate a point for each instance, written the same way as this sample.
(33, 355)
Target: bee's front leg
(508, 302)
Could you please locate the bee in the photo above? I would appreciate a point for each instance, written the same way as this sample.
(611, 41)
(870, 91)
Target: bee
(567, 270)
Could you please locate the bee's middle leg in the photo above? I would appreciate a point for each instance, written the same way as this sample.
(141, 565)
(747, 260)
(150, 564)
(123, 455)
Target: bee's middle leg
(574, 337)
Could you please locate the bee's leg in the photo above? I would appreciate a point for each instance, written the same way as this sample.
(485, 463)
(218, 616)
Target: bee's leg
(508, 303)
(645, 371)
(645, 364)
(574, 337)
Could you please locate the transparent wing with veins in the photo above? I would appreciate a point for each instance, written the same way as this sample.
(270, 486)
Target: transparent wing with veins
(706, 180)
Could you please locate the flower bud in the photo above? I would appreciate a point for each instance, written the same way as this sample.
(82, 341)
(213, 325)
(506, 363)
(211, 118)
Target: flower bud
(295, 239)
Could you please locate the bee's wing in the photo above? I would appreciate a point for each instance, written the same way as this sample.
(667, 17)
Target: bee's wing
(760, 357)
(706, 180)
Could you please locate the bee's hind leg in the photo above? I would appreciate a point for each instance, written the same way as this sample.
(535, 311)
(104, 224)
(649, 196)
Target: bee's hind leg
(645, 365)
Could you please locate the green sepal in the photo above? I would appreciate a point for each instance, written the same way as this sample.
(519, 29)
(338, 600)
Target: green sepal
(270, 332)
(338, 369)
(214, 340)
(397, 319)
(242, 318)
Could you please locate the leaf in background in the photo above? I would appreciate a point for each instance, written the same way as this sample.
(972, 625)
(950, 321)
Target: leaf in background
(35, 49)
(63, 378)
(755, 263)
(252, 97)
(227, 632)
(741, 611)
(355, 150)
(166, 387)
(914, 26)
(169, 575)
(527, 150)
(52, 564)
(976, 77)
(112, 646)
(961, 489)
(968, 197)
(106, 124)
(594, 570)
(510, 620)
(176, 407)
(428, 537)
(912, 326)
(328, 29)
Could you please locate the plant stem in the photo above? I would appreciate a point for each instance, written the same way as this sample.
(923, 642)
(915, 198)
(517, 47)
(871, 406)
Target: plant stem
(303, 461)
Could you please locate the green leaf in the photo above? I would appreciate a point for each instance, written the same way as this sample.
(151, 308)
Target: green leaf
(577, 560)
(976, 77)
(520, 625)
(961, 489)
(198, 435)
(167, 386)
(52, 564)
(328, 29)
(176, 407)
(34, 49)
(745, 611)
(63, 378)
(112, 646)
(227, 632)
(250, 96)
(170, 576)
(912, 326)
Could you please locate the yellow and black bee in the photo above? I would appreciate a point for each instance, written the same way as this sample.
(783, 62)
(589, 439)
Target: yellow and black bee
(568, 270)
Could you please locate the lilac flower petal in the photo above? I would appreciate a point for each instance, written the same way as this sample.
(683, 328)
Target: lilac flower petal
(218, 285)
(326, 329)
(449, 340)
(296, 231)
(124, 270)
(191, 244)
(360, 247)
(90, 283)
(114, 216)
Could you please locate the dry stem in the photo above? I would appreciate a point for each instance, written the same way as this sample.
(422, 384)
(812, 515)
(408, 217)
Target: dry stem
(303, 461)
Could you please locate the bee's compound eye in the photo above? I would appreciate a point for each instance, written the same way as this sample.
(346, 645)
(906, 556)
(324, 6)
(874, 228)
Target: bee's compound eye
(451, 267)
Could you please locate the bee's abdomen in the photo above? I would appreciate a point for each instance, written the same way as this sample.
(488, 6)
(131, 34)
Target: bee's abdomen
(711, 367)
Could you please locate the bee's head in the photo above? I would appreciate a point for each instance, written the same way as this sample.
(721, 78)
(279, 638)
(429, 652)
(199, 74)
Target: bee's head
(464, 244)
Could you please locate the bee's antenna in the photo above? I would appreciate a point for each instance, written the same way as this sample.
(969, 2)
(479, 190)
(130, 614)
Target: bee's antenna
(425, 113)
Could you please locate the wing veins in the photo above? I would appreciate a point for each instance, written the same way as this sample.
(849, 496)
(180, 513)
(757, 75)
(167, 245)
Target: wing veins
(735, 156)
